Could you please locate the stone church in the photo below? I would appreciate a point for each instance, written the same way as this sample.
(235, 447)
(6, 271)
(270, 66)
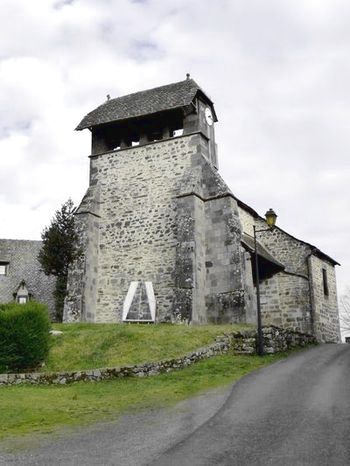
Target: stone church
(165, 240)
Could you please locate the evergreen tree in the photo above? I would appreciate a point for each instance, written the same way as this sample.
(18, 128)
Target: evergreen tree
(59, 250)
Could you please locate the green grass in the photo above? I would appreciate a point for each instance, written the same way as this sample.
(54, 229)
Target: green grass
(40, 409)
(90, 346)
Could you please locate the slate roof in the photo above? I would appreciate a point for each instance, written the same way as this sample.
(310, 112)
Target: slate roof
(143, 103)
(21, 256)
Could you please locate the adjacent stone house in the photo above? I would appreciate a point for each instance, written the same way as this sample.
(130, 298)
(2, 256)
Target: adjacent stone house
(21, 277)
(165, 239)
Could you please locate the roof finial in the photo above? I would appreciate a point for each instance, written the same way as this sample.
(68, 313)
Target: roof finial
(188, 75)
(108, 97)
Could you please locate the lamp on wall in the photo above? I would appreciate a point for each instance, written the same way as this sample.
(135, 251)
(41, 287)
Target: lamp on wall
(271, 218)
(271, 222)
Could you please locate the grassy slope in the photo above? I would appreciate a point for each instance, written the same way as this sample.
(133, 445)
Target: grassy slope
(90, 346)
(39, 409)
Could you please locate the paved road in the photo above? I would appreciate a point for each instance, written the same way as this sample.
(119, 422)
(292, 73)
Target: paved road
(295, 412)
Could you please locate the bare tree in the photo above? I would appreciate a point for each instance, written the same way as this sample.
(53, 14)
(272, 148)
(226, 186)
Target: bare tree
(345, 311)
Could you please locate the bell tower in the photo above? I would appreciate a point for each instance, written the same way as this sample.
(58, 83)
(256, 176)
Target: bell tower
(159, 228)
(150, 116)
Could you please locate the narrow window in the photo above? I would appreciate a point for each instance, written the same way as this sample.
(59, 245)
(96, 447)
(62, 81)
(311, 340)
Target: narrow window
(3, 268)
(325, 282)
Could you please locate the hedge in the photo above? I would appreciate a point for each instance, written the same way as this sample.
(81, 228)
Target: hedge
(24, 336)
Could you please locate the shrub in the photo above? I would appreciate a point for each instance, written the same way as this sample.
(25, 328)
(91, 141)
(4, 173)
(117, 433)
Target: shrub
(24, 336)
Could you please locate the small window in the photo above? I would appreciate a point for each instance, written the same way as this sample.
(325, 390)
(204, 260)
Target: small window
(22, 299)
(22, 295)
(3, 268)
(325, 282)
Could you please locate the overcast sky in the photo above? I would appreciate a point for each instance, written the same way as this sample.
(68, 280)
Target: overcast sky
(278, 72)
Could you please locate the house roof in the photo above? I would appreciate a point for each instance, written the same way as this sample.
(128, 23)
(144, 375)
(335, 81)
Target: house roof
(138, 104)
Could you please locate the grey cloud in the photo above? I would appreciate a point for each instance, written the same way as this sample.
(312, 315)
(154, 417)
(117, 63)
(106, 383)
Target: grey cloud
(62, 3)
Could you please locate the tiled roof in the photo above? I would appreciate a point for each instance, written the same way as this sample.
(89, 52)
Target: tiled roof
(142, 103)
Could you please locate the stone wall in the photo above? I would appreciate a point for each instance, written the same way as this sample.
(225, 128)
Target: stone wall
(285, 302)
(21, 256)
(158, 213)
(326, 318)
(81, 299)
(224, 274)
(136, 226)
(275, 340)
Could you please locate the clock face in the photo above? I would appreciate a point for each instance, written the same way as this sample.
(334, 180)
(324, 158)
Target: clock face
(209, 116)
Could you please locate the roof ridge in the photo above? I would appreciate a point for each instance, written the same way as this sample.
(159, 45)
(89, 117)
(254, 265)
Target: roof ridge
(132, 94)
(145, 102)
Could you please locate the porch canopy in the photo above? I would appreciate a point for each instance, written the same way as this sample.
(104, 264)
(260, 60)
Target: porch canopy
(268, 265)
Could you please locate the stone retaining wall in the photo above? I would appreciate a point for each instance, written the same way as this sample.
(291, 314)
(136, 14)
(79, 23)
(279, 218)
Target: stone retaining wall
(275, 340)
